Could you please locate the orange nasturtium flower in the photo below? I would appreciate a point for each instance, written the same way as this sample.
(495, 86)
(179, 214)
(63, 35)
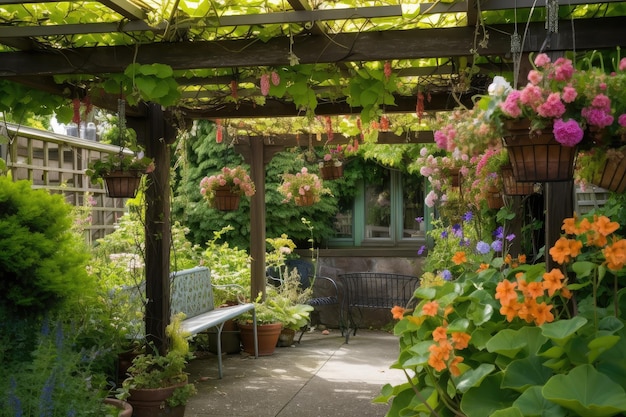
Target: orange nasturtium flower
(397, 312)
(440, 334)
(534, 290)
(454, 369)
(510, 310)
(460, 340)
(459, 258)
(564, 249)
(430, 308)
(615, 255)
(604, 225)
(521, 258)
(552, 281)
(505, 292)
(542, 314)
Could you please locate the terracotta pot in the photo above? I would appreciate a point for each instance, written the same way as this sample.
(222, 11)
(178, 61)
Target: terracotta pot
(512, 186)
(612, 176)
(226, 200)
(126, 410)
(331, 172)
(152, 403)
(537, 157)
(267, 334)
(308, 199)
(122, 184)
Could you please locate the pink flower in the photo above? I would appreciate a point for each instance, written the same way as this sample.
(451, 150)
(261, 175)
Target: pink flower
(531, 95)
(553, 107)
(569, 94)
(597, 116)
(567, 133)
(622, 118)
(510, 105)
(541, 60)
(431, 198)
(535, 77)
(563, 69)
(602, 101)
(622, 64)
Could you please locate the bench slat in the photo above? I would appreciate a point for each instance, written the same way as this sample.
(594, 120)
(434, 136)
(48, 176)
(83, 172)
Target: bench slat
(214, 318)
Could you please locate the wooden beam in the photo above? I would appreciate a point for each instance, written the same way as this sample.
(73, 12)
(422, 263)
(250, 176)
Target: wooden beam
(598, 33)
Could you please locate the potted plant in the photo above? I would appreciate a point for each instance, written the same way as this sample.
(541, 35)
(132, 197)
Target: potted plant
(507, 338)
(331, 166)
(121, 172)
(157, 385)
(561, 109)
(223, 191)
(304, 188)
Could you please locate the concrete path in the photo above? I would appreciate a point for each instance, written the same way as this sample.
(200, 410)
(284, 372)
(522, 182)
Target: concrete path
(321, 377)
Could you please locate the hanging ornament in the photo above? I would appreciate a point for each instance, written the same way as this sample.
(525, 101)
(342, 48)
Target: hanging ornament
(265, 84)
(218, 133)
(552, 16)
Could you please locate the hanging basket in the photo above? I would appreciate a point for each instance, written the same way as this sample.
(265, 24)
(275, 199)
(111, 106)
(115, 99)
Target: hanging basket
(331, 172)
(513, 187)
(612, 175)
(122, 184)
(308, 199)
(494, 198)
(225, 199)
(537, 157)
(455, 177)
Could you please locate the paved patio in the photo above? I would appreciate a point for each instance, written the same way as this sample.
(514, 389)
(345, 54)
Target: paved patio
(321, 377)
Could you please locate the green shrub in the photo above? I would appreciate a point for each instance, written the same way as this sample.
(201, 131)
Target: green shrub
(42, 264)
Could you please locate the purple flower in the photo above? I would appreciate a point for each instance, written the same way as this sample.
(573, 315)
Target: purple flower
(421, 250)
(510, 237)
(444, 234)
(419, 219)
(446, 274)
(499, 233)
(465, 242)
(496, 245)
(467, 217)
(483, 247)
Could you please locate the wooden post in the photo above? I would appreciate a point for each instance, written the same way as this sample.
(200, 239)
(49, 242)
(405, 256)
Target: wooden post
(257, 218)
(156, 138)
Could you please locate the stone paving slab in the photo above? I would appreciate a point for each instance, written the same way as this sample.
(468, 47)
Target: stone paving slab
(321, 377)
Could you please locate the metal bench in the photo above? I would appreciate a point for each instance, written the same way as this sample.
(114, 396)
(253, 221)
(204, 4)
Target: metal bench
(192, 294)
(375, 290)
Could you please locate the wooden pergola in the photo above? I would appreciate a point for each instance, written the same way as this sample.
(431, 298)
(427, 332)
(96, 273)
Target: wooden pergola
(67, 57)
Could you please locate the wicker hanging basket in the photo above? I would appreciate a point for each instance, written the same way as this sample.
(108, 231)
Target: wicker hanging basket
(307, 199)
(537, 156)
(122, 184)
(612, 175)
(225, 199)
(331, 172)
(513, 187)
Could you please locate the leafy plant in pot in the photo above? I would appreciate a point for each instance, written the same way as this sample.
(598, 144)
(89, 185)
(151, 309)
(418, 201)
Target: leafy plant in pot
(157, 385)
(121, 172)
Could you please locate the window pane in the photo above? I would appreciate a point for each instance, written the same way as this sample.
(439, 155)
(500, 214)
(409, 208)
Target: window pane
(343, 224)
(378, 207)
(413, 203)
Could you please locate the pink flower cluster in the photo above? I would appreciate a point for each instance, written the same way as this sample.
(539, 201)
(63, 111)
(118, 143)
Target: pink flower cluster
(573, 101)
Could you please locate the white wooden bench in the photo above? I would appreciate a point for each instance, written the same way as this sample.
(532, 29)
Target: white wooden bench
(192, 294)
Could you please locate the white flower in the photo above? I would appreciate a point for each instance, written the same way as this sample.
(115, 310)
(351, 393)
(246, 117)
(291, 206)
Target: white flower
(499, 87)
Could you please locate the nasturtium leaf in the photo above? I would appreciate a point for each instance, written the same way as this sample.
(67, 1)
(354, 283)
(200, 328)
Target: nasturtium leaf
(488, 397)
(524, 373)
(473, 377)
(506, 342)
(586, 392)
(532, 404)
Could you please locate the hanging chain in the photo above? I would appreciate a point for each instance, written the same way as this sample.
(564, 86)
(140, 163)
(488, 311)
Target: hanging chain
(121, 120)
